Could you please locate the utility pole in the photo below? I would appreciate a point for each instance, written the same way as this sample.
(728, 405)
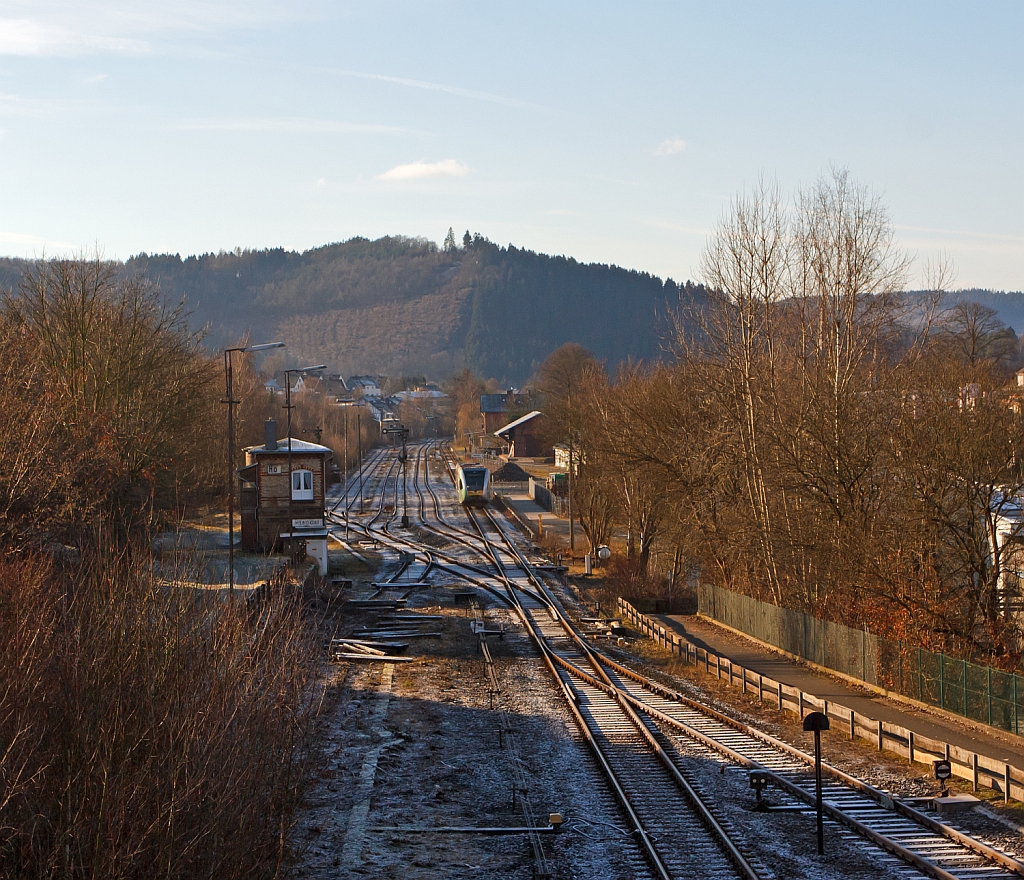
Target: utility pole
(403, 457)
(359, 443)
(291, 476)
(231, 403)
(346, 473)
(346, 404)
(572, 531)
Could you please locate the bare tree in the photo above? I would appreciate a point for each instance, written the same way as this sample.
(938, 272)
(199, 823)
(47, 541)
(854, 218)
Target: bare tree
(124, 392)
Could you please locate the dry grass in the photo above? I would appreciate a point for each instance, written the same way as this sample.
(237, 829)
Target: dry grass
(146, 732)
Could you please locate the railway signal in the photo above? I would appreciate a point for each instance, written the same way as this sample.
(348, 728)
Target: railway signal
(943, 772)
(817, 722)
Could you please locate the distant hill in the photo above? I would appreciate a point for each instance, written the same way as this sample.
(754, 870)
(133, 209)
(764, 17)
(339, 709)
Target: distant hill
(1009, 306)
(401, 306)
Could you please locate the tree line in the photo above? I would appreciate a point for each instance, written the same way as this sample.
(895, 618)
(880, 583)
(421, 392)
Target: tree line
(147, 730)
(819, 441)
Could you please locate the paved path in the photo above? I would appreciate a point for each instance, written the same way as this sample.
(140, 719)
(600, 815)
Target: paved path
(534, 514)
(967, 734)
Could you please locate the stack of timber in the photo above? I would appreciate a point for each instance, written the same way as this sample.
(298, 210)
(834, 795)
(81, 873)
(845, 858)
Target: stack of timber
(362, 649)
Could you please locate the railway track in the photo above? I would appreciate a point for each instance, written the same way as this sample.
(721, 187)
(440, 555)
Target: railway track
(642, 732)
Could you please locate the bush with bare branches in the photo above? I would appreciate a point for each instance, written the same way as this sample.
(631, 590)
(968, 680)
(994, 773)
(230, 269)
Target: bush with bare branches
(147, 732)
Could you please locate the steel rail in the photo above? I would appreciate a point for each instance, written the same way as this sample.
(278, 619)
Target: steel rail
(572, 696)
(636, 706)
(551, 657)
(873, 793)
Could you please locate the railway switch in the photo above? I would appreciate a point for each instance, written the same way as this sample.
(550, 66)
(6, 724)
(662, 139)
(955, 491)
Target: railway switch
(759, 781)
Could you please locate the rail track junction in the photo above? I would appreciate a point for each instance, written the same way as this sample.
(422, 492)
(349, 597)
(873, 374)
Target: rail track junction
(672, 769)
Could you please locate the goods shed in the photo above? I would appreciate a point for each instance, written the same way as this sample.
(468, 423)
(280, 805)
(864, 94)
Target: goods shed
(525, 436)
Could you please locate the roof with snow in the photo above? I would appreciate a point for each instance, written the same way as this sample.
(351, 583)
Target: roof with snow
(519, 422)
(282, 446)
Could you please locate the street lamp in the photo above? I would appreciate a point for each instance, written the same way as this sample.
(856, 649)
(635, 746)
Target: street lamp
(288, 406)
(230, 401)
(345, 404)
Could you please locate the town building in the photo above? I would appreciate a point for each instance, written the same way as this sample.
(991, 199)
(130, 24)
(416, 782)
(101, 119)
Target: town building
(494, 409)
(366, 386)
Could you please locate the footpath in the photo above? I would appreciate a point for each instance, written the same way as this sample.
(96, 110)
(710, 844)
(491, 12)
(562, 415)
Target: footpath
(933, 723)
(541, 523)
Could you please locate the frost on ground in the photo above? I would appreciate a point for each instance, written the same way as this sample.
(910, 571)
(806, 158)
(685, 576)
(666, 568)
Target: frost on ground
(441, 762)
(992, 824)
(413, 746)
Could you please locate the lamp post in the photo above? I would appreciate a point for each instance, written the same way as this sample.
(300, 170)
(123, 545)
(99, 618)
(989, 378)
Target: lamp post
(288, 406)
(230, 401)
(345, 404)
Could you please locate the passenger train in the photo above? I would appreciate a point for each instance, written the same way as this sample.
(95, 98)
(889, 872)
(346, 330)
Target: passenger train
(473, 484)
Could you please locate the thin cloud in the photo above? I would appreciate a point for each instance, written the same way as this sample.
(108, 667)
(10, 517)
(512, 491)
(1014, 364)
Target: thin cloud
(618, 180)
(284, 123)
(425, 170)
(20, 238)
(670, 147)
(125, 27)
(13, 105)
(450, 90)
(963, 233)
(674, 227)
(28, 37)
(961, 241)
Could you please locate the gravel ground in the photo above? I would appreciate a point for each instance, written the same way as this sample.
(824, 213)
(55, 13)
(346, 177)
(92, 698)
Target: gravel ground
(418, 745)
(993, 823)
(442, 763)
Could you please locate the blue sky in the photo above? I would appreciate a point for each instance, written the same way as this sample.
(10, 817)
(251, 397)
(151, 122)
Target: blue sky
(611, 132)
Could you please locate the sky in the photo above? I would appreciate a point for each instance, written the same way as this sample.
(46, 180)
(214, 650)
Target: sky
(609, 132)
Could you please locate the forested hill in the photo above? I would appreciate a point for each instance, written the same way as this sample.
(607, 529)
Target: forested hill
(403, 306)
(1008, 306)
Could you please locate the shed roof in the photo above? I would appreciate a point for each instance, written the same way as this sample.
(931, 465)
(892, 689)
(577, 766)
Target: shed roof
(493, 403)
(519, 421)
(282, 447)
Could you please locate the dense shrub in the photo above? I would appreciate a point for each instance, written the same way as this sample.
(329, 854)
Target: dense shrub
(146, 732)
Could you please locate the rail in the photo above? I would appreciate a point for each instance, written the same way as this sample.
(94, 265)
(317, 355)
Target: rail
(980, 770)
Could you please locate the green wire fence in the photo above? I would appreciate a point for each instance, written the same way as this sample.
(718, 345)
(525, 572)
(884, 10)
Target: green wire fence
(981, 693)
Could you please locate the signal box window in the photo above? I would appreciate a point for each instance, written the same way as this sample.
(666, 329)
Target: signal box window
(302, 485)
